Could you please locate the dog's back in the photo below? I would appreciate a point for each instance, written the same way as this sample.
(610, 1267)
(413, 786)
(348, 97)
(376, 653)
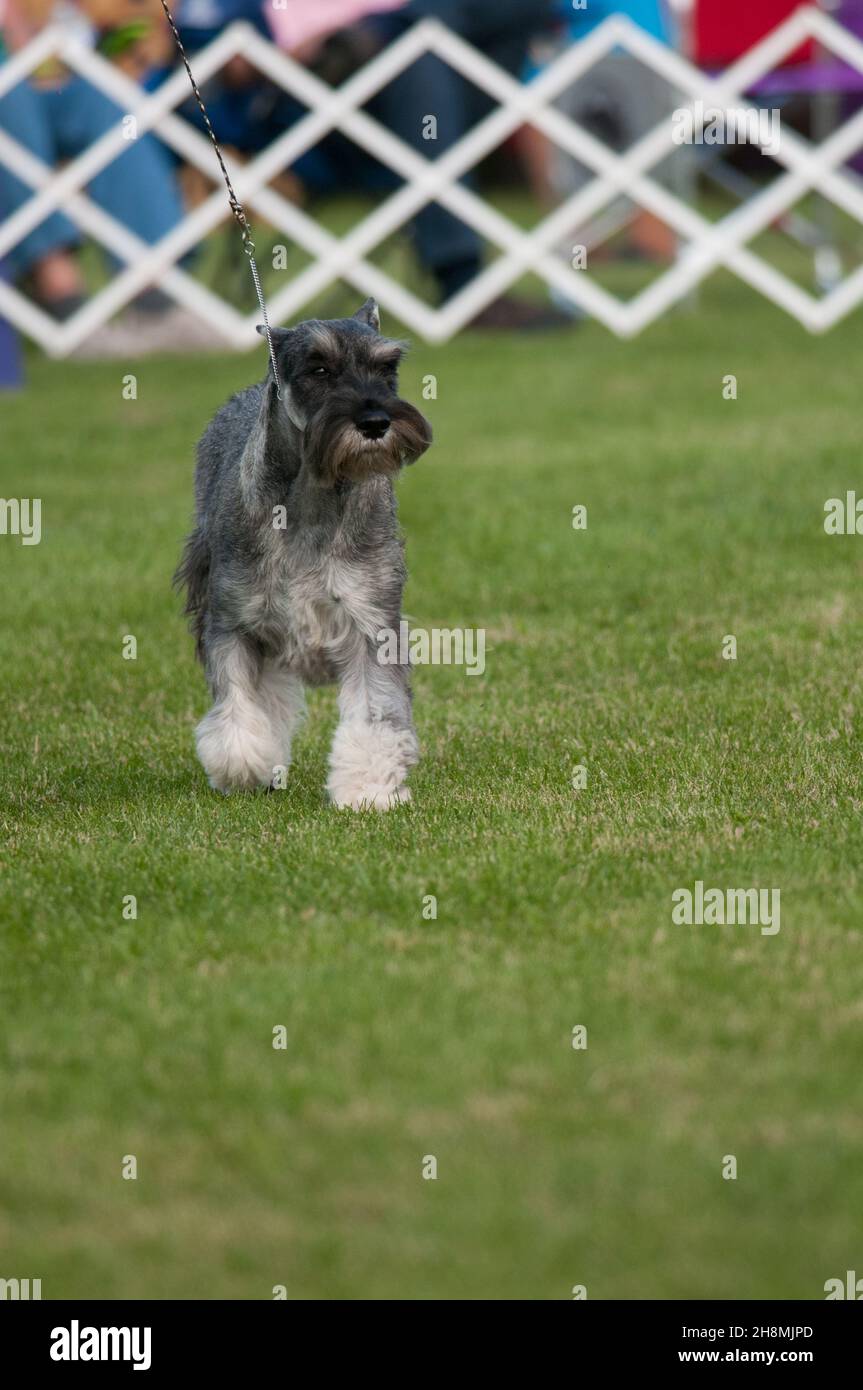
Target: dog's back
(220, 447)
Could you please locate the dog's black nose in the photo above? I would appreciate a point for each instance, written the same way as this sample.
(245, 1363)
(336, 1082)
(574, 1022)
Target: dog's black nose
(373, 424)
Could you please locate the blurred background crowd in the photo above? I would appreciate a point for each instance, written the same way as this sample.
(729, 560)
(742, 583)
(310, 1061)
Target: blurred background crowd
(56, 114)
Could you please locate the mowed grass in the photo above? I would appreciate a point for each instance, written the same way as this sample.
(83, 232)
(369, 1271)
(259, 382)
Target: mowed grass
(451, 1037)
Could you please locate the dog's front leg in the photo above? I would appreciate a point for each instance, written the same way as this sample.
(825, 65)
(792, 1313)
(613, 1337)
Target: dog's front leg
(375, 744)
(241, 741)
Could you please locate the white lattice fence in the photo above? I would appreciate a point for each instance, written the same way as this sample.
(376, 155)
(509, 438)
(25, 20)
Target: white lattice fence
(708, 244)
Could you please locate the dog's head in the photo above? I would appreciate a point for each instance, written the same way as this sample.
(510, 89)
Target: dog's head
(339, 380)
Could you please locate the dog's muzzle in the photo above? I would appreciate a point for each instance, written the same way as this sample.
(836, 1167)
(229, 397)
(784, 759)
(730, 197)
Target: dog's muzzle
(373, 424)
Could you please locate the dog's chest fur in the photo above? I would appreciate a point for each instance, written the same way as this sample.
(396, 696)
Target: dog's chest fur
(310, 610)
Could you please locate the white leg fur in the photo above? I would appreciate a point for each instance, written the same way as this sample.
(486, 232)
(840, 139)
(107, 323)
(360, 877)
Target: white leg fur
(374, 746)
(369, 764)
(242, 739)
(284, 696)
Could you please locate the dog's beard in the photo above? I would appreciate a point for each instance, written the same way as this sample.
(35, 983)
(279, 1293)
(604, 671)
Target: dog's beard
(338, 452)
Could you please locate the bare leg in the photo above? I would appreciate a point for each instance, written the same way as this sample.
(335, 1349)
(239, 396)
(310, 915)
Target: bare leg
(56, 276)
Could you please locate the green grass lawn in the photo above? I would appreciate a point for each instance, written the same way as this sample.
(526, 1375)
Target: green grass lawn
(452, 1037)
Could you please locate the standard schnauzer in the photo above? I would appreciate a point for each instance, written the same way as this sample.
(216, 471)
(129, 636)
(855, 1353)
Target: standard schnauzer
(296, 563)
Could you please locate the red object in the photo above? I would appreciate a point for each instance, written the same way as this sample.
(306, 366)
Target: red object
(724, 29)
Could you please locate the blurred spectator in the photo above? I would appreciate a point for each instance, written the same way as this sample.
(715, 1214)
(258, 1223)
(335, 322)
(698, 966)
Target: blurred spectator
(618, 101)
(56, 116)
(334, 38)
(448, 248)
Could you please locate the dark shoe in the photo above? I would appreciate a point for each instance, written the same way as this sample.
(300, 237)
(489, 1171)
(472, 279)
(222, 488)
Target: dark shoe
(139, 334)
(63, 308)
(509, 314)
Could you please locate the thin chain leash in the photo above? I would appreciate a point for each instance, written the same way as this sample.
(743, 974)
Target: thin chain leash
(236, 206)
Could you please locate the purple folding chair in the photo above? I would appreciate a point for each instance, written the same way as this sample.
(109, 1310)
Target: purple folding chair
(11, 375)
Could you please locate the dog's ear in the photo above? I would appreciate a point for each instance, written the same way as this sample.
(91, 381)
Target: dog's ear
(254, 456)
(267, 448)
(278, 335)
(370, 314)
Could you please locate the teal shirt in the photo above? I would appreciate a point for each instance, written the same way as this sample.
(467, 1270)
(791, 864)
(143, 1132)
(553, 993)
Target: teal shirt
(649, 14)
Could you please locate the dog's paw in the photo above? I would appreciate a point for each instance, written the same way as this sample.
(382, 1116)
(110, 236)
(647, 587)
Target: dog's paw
(238, 756)
(227, 783)
(238, 778)
(372, 798)
(369, 764)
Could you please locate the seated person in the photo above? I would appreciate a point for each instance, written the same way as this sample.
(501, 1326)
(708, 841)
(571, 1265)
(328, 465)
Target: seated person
(56, 116)
(334, 37)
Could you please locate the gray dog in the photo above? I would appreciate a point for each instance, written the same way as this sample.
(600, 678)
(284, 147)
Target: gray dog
(296, 564)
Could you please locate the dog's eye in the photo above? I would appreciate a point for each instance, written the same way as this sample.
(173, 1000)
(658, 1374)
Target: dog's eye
(320, 371)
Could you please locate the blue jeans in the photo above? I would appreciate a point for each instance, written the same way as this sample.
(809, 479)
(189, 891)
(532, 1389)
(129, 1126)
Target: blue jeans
(138, 188)
(502, 29)
(445, 246)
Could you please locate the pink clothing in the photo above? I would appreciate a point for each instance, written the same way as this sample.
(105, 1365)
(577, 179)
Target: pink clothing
(18, 28)
(13, 26)
(303, 20)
